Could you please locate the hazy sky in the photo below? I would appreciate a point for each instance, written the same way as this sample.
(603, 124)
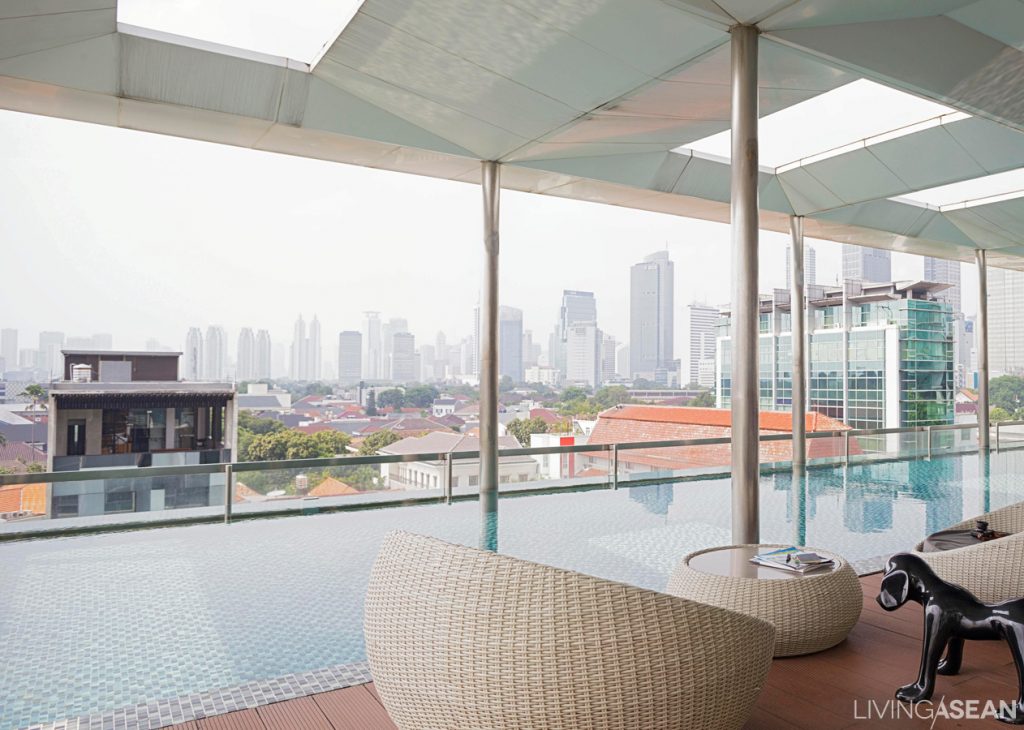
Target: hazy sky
(142, 235)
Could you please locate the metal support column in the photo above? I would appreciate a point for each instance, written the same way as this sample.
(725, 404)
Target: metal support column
(229, 492)
(744, 219)
(490, 183)
(798, 338)
(983, 406)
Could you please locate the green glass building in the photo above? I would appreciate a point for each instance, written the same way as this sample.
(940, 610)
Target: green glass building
(879, 355)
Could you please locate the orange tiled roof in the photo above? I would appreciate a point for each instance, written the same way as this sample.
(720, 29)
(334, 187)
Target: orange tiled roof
(331, 487)
(243, 492)
(721, 417)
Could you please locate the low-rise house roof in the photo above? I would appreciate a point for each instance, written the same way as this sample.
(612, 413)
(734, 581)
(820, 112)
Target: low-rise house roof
(331, 487)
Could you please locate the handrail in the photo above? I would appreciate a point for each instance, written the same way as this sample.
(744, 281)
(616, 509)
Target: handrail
(335, 461)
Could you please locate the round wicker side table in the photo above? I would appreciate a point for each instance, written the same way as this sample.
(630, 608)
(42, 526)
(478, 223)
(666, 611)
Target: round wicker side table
(811, 612)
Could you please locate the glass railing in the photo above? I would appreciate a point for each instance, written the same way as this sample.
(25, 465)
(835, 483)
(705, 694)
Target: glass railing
(128, 496)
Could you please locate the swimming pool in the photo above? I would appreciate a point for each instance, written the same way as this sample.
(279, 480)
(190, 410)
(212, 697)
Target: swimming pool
(89, 624)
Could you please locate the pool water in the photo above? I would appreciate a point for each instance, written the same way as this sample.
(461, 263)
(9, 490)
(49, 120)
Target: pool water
(89, 624)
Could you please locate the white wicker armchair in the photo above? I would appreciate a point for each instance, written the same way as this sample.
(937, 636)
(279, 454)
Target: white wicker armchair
(993, 571)
(459, 638)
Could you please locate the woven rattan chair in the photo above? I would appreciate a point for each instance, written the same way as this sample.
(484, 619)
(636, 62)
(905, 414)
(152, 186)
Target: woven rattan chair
(459, 638)
(993, 571)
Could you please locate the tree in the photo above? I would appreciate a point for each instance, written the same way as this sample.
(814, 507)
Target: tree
(371, 403)
(391, 398)
(35, 392)
(573, 393)
(704, 400)
(332, 443)
(998, 414)
(34, 468)
(506, 384)
(1007, 392)
(523, 428)
(259, 426)
(421, 396)
(612, 395)
(377, 441)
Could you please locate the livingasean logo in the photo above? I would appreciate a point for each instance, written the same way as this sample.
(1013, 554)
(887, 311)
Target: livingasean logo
(933, 711)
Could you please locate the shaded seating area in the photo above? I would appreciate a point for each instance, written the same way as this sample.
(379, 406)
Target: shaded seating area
(460, 638)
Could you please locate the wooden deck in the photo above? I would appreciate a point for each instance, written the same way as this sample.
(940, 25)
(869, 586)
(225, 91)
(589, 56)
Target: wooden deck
(822, 691)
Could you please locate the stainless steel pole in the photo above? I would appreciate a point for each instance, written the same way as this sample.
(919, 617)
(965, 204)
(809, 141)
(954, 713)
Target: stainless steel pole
(798, 337)
(744, 219)
(490, 181)
(615, 466)
(983, 407)
(228, 492)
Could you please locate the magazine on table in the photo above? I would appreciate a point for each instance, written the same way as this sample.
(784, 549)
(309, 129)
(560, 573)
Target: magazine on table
(792, 559)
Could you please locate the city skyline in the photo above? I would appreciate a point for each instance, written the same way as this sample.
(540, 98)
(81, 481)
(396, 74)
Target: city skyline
(237, 224)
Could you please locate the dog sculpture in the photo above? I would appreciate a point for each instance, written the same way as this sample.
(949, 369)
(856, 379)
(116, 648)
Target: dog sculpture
(951, 615)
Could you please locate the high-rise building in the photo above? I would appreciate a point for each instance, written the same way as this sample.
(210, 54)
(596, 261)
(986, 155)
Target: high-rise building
(702, 322)
(510, 343)
(810, 266)
(390, 328)
(1005, 304)
(428, 364)
(651, 316)
(372, 354)
(945, 271)
(264, 355)
(577, 306)
(314, 354)
(299, 351)
(51, 360)
(350, 357)
(583, 354)
(622, 361)
(608, 350)
(194, 361)
(215, 351)
(9, 347)
(403, 358)
(530, 352)
(245, 367)
(898, 365)
(861, 263)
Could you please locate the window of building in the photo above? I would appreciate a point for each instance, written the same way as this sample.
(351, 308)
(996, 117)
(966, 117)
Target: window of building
(120, 501)
(474, 480)
(65, 505)
(185, 429)
(503, 479)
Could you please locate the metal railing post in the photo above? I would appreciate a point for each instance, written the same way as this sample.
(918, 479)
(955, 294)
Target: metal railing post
(846, 447)
(997, 435)
(615, 466)
(929, 441)
(448, 463)
(229, 492)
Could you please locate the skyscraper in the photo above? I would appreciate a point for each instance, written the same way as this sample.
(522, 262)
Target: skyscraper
(510, 343)
(264, 354)
(350, 357)
(866, 264)
(215, 350)
(810, 266)
(609, 347)
(577, 306)
(9, 348)
(651, 302)
(245, 367)
(702, 322)
(372, 369)
(392, 327)
(1005, 304)
(583, 354)
(945, 271)
(194, 362)
(299, 350)
(50, 358)
(314, 354)
(403, 358)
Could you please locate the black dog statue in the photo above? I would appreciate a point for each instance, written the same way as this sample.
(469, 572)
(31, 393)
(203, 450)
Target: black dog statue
(951, 615)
